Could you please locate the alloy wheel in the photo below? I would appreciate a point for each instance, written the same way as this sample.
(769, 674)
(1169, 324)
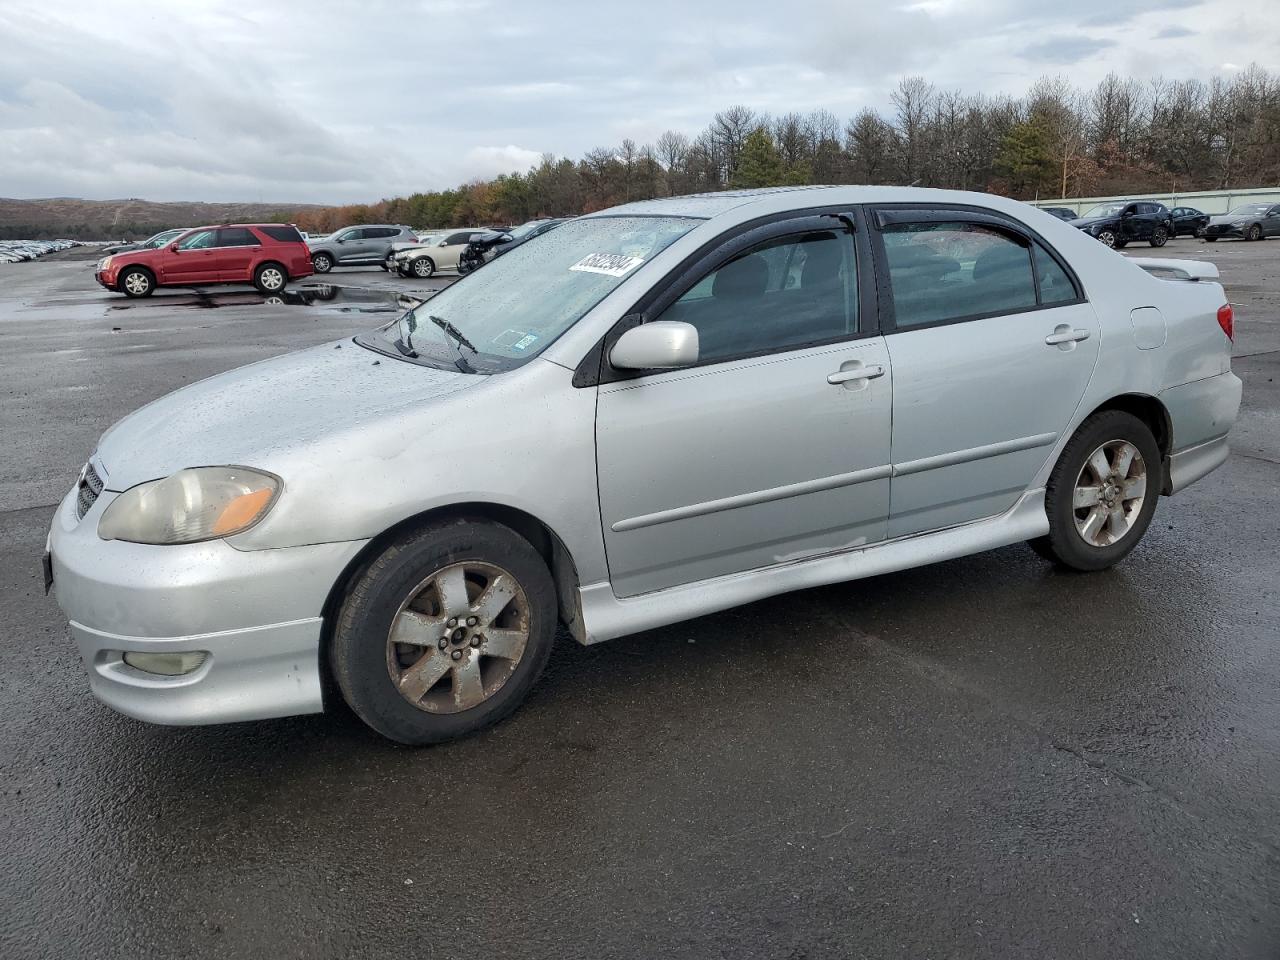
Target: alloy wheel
(1108, 238)
(137, 283)
(272, 278)
(459, 637)
(1109, 492)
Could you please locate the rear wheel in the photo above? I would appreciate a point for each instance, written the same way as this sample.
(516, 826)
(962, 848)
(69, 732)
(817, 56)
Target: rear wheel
(321, 262)
(270, 278)
(1102, 492)
(136, 282)
(446, 632)
(1159, 237)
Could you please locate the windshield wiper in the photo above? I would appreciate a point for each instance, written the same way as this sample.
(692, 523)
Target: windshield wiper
(461, 341)
(453, 331)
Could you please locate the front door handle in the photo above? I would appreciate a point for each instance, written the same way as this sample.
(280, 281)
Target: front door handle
(1065, 334)
(856, 373)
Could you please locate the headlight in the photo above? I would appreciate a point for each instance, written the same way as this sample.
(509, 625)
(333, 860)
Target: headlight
(106, 262)
(202, 503)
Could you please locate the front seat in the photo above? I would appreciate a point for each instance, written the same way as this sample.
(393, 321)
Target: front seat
(729, 322)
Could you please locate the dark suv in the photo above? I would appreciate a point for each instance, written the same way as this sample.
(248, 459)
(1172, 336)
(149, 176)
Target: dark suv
(1120, 222)
(359, 246)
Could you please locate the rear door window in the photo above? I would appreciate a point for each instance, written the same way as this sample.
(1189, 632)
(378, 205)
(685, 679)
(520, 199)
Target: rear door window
(947, 271)
(236, 237)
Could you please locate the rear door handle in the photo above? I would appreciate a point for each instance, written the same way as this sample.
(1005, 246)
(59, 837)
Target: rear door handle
(857, 373)
(1064, 335)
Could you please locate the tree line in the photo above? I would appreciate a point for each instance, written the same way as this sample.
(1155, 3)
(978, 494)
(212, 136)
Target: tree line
(1122, 136)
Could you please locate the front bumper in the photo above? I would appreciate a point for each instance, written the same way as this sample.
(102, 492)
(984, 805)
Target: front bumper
(255, 614)
(1223, 230)
(107, 278)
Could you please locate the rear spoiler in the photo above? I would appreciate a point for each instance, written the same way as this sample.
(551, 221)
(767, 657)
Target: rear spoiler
(1177, 269)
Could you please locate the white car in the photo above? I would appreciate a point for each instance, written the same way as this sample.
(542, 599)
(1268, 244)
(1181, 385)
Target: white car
(440, 253)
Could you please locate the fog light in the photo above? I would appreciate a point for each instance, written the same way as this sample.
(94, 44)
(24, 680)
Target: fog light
(166, 664)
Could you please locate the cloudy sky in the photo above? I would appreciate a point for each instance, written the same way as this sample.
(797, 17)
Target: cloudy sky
(335, 101)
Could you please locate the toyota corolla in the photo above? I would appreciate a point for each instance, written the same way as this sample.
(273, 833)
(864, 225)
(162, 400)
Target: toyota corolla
(655, 412)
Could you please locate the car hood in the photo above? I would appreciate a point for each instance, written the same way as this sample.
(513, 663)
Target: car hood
(260, 415)
(1225, 220)
(1083, 222)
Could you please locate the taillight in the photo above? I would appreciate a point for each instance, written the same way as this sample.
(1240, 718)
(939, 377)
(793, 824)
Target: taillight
(1227, 321)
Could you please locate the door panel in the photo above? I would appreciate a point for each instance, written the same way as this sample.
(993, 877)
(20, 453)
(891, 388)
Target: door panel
(718, 469)
(236, 258)
(977, 407)
(195, 262)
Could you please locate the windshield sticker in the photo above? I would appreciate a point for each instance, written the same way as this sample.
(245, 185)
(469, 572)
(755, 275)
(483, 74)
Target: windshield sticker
(515, 339)
(610, 264)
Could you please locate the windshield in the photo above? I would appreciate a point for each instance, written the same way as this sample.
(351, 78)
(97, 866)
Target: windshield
(510, 310)
(1104, 210)
(1249, 210)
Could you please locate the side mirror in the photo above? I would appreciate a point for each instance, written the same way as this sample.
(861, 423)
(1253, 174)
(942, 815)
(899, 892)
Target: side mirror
(661, 345)
(173, 247)
(340, 240)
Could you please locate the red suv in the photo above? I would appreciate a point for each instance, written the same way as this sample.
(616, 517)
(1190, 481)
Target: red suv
(268, 255)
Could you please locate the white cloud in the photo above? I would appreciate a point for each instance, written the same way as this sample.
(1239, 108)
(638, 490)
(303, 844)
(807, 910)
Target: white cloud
(209, 99)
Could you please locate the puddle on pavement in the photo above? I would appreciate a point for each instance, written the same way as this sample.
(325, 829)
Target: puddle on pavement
(331, 296)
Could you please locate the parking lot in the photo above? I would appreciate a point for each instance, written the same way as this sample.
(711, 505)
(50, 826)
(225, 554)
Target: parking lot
(979, 758)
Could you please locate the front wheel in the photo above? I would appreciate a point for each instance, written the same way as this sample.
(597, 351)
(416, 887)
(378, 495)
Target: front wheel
(445, 632)
(422, 267)
(1209, 239)
(137, 282)
(1255, 233)
(1102, 492)
(1107, 237)
(1159, 237)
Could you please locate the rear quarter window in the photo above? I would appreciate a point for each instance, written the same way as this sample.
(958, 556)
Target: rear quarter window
(283, 234)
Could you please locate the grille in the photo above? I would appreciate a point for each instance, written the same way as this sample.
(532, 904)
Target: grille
(87, 492)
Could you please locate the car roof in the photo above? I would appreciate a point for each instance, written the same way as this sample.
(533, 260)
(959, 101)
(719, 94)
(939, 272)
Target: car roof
(744, 204)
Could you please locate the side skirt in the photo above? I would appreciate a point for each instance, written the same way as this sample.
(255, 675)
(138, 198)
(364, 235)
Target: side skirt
(605, 617)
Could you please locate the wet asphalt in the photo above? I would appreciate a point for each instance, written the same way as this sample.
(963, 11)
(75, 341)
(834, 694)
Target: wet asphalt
(981, 758)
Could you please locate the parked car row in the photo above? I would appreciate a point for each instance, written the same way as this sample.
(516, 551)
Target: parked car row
(14, 251)
(1120, 222)
(443, 251)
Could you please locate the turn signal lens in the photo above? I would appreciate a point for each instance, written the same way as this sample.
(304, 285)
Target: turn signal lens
(202, 503)
(1227, 321)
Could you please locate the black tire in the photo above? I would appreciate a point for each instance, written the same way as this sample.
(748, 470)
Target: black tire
(131, 282)
(358, 654)
(270, 277)
(1209, 239)
(1121, 244)
(321, 262)
(1255, 233)
(1159, 236)
(422, 267)
(1064, 544)
(400, 269)
(1108, 238)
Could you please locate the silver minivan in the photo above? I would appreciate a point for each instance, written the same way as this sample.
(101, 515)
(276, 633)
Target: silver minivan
(653, 413)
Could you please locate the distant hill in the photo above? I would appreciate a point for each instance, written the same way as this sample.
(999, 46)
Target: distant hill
(128, 219)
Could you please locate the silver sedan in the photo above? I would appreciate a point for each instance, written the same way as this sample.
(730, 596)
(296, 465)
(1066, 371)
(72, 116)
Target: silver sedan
(655, 412)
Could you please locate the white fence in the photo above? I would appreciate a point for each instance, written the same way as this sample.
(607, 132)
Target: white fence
(1206, 201)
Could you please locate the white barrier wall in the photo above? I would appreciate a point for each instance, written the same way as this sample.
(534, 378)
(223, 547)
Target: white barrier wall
(1206, 201)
